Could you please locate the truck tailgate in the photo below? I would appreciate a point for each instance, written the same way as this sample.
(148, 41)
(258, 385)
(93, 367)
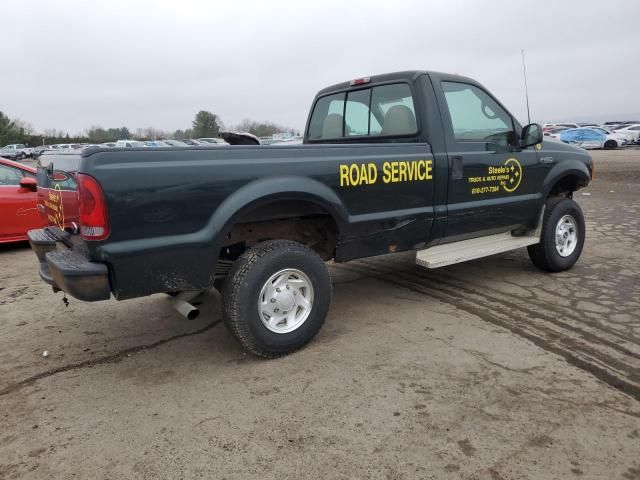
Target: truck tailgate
(65, 265)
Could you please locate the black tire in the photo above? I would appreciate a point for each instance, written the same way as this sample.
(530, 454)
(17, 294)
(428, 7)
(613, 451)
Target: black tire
(610, 145)
(242, 288)
(545, 255)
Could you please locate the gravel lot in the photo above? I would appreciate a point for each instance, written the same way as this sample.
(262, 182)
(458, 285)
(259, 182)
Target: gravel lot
(484, 370)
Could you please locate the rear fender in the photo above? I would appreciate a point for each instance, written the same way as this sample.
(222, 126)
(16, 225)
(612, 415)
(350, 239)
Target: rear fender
(268, 190)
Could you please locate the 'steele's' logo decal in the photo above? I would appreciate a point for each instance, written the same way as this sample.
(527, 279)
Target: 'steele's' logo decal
(515, 175)
(55, 207)
(506, 177)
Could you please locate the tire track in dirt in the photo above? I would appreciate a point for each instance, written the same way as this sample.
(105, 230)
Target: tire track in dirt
(581, 326)
(578, 326)
(591, 354)
(589, 328)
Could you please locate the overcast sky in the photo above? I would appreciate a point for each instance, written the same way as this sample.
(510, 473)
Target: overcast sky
(72, 64)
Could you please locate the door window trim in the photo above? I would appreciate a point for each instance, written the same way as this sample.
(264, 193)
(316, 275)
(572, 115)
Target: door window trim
(448, 122)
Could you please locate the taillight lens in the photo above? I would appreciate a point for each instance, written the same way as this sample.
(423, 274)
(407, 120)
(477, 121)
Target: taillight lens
(92, 209)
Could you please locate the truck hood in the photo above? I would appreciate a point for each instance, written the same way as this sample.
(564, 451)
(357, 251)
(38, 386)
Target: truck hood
(560, 151)
(549, 145)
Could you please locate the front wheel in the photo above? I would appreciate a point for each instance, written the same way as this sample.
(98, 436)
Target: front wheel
(276, 297)
(610, 145)
(562, 237)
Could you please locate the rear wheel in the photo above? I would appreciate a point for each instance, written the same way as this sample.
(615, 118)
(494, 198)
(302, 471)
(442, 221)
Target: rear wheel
(562, 237)
(276, 297)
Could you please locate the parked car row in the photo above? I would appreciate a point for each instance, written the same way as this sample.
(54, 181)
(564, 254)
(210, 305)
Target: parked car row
(589, 135)
(596, 137)
(165, 143)
(20, 151)
(37, 151)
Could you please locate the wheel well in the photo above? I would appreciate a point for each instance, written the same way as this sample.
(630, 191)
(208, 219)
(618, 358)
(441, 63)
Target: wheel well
(301, 221)
(567, 185)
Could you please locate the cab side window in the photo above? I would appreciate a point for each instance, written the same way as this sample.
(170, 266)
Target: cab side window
(393, 104)
(476, 117)
(9, 175)
(383, 110)
(327, 120)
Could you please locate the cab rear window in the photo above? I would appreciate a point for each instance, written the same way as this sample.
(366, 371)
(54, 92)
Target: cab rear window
(385, 110)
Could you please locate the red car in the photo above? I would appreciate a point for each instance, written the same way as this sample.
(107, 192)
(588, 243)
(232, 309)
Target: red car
(18, 201)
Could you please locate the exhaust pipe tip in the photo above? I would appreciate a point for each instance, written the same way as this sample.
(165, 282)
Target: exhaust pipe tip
(183, 307)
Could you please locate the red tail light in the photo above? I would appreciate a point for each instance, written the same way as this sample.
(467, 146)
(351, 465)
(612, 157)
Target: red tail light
(360, 81)
(92, 209)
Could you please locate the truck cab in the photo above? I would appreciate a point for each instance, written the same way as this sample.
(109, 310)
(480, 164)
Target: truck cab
(496, 173)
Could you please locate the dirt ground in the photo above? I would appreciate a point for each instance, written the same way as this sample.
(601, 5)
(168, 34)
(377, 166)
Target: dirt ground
(484, 370)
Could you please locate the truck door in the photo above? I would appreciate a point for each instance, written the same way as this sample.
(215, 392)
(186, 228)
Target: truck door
(493, 184)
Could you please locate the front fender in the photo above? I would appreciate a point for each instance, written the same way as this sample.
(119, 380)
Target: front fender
(563, 169)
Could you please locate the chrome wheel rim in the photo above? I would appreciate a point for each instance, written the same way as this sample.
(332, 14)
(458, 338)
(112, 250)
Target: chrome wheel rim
(285, 301)
(566, 236)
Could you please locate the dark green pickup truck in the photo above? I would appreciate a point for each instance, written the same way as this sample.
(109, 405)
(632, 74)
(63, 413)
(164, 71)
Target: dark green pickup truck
(412, 160)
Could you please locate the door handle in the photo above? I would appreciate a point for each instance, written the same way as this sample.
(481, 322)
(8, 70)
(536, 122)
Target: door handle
(457, 167)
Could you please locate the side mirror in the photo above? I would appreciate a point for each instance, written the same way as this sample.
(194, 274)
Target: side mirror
(531, 135)
(29, 183)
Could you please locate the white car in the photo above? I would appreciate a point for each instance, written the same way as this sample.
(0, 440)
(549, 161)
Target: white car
(549, 126)
(632, 132)
(175, 143)
(554, 133)
(620, 138)
(67, 146)
(130, 144)
(16, 151)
